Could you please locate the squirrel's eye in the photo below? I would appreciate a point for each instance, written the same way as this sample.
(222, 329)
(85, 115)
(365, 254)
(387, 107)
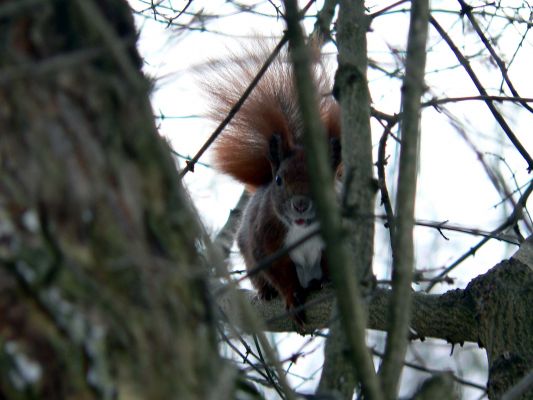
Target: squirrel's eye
(278, 180)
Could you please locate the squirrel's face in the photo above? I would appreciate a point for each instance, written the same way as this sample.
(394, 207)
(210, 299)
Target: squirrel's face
(291, 193)
(290, 188)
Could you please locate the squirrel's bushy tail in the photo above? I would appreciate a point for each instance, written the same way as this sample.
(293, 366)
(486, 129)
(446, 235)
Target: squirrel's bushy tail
(272, 108)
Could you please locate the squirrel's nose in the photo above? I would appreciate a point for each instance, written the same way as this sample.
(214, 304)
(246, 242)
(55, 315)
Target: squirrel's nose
(301, 204)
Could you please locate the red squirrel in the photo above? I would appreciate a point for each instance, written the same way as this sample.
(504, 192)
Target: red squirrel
(262, 148)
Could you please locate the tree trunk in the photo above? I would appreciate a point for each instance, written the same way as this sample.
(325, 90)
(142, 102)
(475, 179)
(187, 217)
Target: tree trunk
(102, 291)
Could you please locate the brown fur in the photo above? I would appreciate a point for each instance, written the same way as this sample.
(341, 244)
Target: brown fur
(262, 234)
(272, 108)
(264, 140)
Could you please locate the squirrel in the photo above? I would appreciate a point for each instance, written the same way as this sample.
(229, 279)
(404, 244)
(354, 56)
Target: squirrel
(262, 148)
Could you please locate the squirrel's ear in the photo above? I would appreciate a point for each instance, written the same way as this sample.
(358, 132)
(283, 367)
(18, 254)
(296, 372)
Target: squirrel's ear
(275, 151)
(335, 152)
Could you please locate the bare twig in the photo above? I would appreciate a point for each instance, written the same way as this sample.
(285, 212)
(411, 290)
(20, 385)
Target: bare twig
(440, 226)
(510, 221)
(467, 10)
(382, 182)
(435, 102)
(239, 103)
(436, 371)
(388, 8)
(171, 20)
(499, 118)
(266, 262)
(235, 108)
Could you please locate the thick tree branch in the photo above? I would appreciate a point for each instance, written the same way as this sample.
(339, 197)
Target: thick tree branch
(494, 311)
(448, 316)
(451, 316)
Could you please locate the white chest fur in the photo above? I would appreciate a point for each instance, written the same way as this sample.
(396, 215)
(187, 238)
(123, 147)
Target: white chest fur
(307, 255)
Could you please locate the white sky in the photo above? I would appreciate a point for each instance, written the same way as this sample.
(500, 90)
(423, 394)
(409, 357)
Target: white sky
(452, 184)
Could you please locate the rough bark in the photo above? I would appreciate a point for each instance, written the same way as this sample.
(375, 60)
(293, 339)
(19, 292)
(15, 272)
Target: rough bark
(102, 291)
(351, 90)
(503, 300)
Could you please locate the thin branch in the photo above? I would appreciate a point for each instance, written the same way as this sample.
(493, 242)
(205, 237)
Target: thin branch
(266, 262)
(190, 164)
(510, 221)
(467, 10)
(471, 231)
(499, 118)
(237, 307)
(435, 102)
(388, 8)
(436, 371)
(402, 245)
(239, 103)
(268, 371)
(171, 20)
(188, 158)
(445, 316)
(382, 182)
(245, 358)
